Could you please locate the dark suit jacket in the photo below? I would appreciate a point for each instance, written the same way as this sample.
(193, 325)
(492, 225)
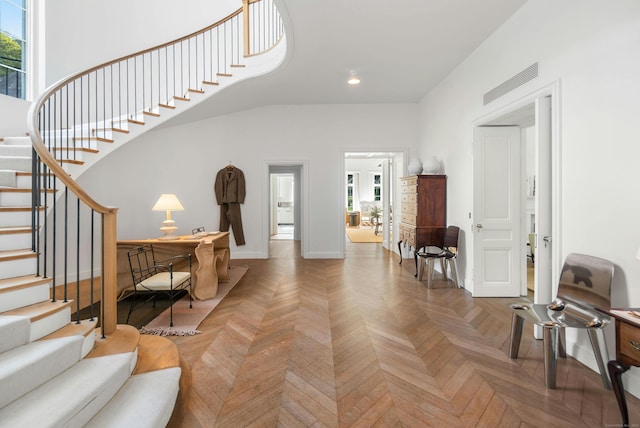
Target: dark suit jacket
(229, 186)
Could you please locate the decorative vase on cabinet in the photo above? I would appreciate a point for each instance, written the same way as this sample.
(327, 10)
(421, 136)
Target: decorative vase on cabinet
(423, 219)
(415, 166)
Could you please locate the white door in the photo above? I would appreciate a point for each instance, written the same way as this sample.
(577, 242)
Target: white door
(496, 172)
(543, 266)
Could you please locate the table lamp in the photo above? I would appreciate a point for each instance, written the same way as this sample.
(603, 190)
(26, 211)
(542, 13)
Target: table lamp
(168, 202)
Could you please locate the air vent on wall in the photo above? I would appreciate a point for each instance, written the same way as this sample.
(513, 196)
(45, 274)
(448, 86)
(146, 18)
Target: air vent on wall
(519, 79)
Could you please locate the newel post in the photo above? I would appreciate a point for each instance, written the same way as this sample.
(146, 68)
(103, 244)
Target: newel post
(110, 273)
(246, 24)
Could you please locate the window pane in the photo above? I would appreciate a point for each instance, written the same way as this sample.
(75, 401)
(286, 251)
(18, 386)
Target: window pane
(12, 20)
(376, 179)
(12, 47)
(376, 194)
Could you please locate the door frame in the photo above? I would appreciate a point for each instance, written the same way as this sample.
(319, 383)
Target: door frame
(553, 91)
(301, 202)
(397, 171)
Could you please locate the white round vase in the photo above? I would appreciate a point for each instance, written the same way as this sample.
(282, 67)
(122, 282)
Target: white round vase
(415, 166)
(431, 166)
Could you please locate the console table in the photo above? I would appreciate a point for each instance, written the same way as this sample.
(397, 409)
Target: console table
(211, 265)
(627, 352)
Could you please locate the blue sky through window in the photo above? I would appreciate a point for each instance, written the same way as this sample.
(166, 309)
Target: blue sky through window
(12, 21)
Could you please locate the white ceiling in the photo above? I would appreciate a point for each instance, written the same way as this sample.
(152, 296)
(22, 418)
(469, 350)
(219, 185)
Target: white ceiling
(400, 49)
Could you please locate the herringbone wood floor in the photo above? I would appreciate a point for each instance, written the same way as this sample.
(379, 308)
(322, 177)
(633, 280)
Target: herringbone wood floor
(361, 342)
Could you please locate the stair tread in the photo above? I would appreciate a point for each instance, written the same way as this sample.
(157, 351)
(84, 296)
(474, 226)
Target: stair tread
(17, 208)
(159, 389)
(28, 366)
(8, 230)
(124, 338)
(22, 253)
(84, 328)
(9, 284)
(39, 310)
(74, 396)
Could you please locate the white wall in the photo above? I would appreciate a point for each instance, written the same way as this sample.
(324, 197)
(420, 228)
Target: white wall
(13, 116)
(590, 48)
(80, 26)
(185, 159)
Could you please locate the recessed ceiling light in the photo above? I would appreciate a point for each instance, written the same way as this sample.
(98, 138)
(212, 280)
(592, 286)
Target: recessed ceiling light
(353, 80)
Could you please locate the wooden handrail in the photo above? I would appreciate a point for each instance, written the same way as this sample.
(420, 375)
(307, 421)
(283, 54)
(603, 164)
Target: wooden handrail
(63, 93)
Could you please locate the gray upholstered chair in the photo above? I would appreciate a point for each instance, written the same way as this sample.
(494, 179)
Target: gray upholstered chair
(585, 284)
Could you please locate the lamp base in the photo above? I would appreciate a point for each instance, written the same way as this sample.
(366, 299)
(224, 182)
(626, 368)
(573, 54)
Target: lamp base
(168, 229)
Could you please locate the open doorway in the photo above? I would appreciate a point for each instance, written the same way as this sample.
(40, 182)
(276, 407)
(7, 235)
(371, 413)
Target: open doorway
(370, 180)
(286, 205)
(516, 200)
(282, 191)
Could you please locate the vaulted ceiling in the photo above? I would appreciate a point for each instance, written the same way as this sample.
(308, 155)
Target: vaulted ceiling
(400, 50)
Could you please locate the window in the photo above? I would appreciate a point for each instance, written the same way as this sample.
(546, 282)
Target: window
(13, 42)
(377, 187)
(349, 192)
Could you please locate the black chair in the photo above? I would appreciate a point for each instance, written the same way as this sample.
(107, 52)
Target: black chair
(447, 256)
(152, 278)
(585, 284)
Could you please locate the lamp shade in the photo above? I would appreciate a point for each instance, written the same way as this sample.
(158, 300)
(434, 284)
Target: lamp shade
(168, 202)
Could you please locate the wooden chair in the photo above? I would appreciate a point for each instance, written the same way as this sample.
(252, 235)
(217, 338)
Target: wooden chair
(447, 256)
(152, 278)
(585, 284)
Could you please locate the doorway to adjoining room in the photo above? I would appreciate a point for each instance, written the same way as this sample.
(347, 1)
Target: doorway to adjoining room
(282, 191)
(369, 179)
(285, 225)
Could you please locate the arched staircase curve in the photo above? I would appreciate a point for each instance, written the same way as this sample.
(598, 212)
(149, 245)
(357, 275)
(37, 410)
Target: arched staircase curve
(58, 246)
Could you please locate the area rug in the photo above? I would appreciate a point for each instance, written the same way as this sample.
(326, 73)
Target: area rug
(363, 235)
(186, 320)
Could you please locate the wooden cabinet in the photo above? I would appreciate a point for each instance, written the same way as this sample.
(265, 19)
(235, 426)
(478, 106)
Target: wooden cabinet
(423, 217)
(627, 352)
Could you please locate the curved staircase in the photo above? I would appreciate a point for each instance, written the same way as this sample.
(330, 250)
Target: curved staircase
(55, 371)
(58, 372)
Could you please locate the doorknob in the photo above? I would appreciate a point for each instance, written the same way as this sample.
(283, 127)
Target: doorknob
(547, 240)
(478, 226)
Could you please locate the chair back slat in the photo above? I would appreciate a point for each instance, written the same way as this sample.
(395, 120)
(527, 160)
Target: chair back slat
(142, 263)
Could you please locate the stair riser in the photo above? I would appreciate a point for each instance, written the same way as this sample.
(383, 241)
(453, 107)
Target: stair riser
(20, 267)
(49, 324)
(8, 178)
(23, 181)
(14, 332)
(20, 141)
(64, 155)
(15, 150)
(15, 218)
(22, 297)
(16, 163)
(15, 199)
(15, 241)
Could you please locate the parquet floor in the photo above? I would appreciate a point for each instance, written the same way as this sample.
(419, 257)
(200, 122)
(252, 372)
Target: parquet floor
(361, 342)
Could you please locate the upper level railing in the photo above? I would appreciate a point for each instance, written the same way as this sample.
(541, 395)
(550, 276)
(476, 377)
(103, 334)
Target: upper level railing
(74, 235)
